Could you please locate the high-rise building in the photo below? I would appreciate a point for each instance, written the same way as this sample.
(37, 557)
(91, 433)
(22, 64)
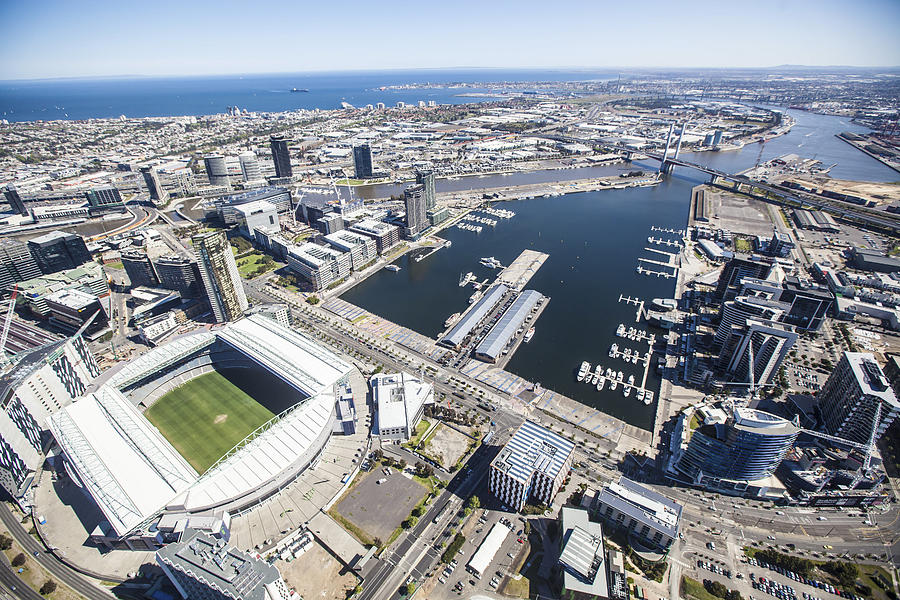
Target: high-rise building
(362, 161)
(426, 179)
(640, 511)
(760, 345)
(319, 265)
(16, 263)
(221, 279)
(748, 446)
(71, 309)
(151, 178)
(386, 236)
(734, 313)
(281, 156)
(416, 217)
(58, 251)
(250, 166)
(216, 170)
(736, 269)
(138, 267)
(180, 274)
(203, 567)
(850, 398)
(532, 464)
(362, 248)
(258, 214)
(104, 198)
(15, 200)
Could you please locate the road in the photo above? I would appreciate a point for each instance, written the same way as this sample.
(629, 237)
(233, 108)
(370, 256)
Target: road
(61, 572)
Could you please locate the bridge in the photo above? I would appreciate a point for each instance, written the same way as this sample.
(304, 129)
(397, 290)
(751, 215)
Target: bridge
(860, 215)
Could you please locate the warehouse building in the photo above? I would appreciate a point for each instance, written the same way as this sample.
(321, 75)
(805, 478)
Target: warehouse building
(515, 317)
(531, 466)
(582, 559)
(456, 336)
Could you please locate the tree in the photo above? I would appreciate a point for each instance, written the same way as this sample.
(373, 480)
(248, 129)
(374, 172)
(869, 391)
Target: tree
(410, 588)
(410, 522)
(401, 464)
(5, 542)
(378, 543)
(48, 588)
(18, 560)
(474, 502)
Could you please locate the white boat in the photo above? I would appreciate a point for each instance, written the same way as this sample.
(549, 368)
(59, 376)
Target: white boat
(648, 398)
(631, 380)
(619, 376)
(528, 335)
(450, 320)
(627, 354)
(635, 357)
(613, 350)
(626, 390)
(621, 330)
(640, 395)
(582, 371)
(393, 268)
(601, 381)
(598, 373)
(613, 384)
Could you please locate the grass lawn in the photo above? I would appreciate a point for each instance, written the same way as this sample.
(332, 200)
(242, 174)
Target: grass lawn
(421, 428)
(206, 417)
(742, 245)
(248, 265)
(115, 265)
(693, 588)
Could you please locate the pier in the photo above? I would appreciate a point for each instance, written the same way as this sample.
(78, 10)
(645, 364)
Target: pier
(662, 242)
(650, 339)
(520, 271)
(644, 271)
(678, 232)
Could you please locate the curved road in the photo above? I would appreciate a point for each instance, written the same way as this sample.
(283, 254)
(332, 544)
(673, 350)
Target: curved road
(61, 572)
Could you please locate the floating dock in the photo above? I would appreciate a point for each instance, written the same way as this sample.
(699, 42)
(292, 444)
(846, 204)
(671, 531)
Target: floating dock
(662, 242)
(679, 232)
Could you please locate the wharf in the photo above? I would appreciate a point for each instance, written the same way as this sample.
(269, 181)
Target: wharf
(505, 358)
(517, 275)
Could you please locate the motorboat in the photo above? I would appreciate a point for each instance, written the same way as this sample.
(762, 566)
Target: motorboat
(582, 371)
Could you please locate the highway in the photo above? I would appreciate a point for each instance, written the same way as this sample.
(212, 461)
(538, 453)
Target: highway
(61, 572)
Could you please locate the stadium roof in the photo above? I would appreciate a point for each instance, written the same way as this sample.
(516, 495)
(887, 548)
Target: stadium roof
(533, 448)
(474, 315)
(263, 457)
(129, 469)
(159, 358)
(298, 360)
(506, 327)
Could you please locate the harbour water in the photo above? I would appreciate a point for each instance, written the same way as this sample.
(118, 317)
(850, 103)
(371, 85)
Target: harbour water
(594, 240)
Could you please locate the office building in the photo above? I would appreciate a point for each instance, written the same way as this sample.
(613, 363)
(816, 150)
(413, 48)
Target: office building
(400, 400)
(180, 274)
(88, 278)
(426, 180)
(281, 156)
(762, 344)
(734, 313)
(280, 313)
(361, 248)
(72, 308)
(330, 223)
(221, 280)
(436, 216)
(104, 198)
(362, 161)
(203, 567)
(416, 218)
(151, 178)
(138, 268)
(386, 236)
(45, 380)
(249, 166)
(16, 263)
(531, 466)
(736, 269)
(225, 209)
(640, 511)
(582, 557)
(319, 265)
(804, 305)
(259, 214)
(185, 181)
(58, 251)
(734, 454)
(15, 200)
(216, 170)
(851, 396)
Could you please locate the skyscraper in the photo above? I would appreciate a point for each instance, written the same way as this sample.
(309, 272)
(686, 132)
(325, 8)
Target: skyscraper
(154, 186)
(736, 269)
(15, 200)
(16, 263)
(220, 276)
(760, 345)
(850, 397)
(416, 219)
(58, 251)
(426, 179)
(362, 161)
(179, 274)
(216, 170)
(138, 268)
(250, 166)
(281, 156)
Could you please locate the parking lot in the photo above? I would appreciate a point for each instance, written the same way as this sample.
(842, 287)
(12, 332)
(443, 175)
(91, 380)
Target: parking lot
(379, 508)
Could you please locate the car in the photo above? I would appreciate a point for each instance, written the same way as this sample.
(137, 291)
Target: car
(779, 512)
(442, 580)
(821, 518)
(509, 554)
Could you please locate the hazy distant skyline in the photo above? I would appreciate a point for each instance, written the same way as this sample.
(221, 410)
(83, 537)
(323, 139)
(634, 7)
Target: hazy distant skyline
(102, 38)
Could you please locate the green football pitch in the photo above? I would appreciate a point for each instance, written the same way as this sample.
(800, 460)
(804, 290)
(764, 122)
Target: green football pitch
(206, 417)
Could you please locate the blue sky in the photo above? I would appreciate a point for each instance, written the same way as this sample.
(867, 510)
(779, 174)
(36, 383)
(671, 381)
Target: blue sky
(51, 38)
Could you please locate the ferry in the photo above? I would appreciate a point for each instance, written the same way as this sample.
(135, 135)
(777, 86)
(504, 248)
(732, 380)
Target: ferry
(664, 304)
(601, 381)
(613, 350)
(640, 395)
(393, 268)
(648, 398)
(528, 335)
(582, 371)
(298, 90)
(620, 331)
(451, 319)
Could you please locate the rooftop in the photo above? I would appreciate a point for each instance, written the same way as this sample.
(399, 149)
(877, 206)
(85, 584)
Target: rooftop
(72, 298)
(474, 315)
(870, 377)
(582, 554)
(533, 448)
(313, 254)
(643, 504)
(506, 327)
(255, 207)
(397, 396)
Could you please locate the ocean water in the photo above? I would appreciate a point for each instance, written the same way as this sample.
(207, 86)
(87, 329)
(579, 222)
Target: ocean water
(150, 97)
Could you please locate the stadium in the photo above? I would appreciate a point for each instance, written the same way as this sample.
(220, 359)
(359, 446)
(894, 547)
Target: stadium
(213, 421)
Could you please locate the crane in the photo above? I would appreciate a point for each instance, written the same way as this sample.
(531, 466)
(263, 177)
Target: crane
(7, 323)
